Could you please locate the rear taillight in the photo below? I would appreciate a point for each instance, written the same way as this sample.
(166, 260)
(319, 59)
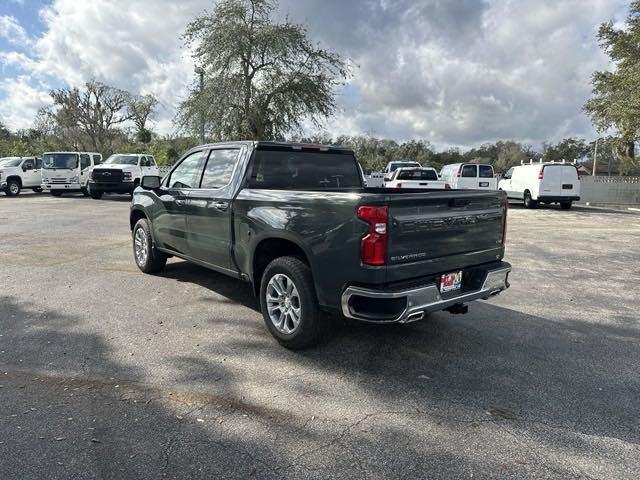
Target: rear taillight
(447, 186)
(504, 221)
(373, 247)
(398, 185)
(541, 174)
(459, 174)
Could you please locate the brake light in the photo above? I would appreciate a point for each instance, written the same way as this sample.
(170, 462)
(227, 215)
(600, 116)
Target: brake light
(541, 174)
(504, 221)
(373, 247)
(447, 186)
(398, 185)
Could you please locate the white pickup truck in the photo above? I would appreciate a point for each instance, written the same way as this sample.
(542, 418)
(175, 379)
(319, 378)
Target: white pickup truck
(17, 173)
(423, 177)
(121, 173)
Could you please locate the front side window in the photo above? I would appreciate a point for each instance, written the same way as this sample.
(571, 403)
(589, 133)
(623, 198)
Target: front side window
(219, 168)
(85, 161)
(187, 174)
(97, 159)
(283, 168)
(38, 163)
(508, 174)
(469, 171)
(60, 160)
(28, 165)
(486, 171)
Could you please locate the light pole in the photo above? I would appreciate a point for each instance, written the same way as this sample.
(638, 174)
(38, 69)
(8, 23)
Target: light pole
(200, 71)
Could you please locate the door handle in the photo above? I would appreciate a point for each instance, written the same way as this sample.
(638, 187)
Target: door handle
(221, 205)
(179, 202)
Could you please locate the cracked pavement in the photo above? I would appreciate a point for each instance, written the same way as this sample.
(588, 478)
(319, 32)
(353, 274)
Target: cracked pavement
(106, 373)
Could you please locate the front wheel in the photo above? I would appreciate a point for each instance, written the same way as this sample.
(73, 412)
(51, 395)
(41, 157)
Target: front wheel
(289, 304)
(528, 201)
(13, 188)
(148, 258)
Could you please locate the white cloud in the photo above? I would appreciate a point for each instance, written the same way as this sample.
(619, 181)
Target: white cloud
(20, 101)
(11, 29)
(455, 73)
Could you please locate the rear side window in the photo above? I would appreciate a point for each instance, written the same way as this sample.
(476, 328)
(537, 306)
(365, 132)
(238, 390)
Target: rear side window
(151, 161)
(219, 168)
(97, 159)
(310, 170)
(85, 161)
(38, 163)
(486, 171)
(469, 171)
(418, 175)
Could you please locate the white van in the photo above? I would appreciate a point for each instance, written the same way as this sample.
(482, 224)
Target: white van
(547, 183)
(68, 171)
(469, 176)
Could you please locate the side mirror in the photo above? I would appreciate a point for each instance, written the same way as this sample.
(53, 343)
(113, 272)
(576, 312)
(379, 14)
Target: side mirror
(150, 182)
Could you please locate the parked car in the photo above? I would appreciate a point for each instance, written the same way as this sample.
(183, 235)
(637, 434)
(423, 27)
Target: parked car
(473, 176)
(17, 173)
(423, 177)
(296, 222)
(394, 165)
(121, 173)
(68, 171)
(546, 183)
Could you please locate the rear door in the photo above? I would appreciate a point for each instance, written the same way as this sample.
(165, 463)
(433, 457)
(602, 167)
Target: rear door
(486, 178)
(437, 231)
(170, 224)
(468, 177)
(551, 182)
(570, 181)
(209, 218)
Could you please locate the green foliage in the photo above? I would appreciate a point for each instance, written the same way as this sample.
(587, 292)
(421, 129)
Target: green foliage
(616, 94)
(569, 149)
(262, 78)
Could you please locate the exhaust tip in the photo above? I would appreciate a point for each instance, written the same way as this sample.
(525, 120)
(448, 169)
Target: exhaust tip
(414, 317)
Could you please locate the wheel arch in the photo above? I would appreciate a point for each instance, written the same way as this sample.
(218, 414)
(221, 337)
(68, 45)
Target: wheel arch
(15, 177)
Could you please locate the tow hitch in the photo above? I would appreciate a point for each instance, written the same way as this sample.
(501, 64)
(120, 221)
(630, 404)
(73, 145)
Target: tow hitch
(458, 309)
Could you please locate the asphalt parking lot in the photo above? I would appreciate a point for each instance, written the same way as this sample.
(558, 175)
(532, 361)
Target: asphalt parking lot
(108, 373)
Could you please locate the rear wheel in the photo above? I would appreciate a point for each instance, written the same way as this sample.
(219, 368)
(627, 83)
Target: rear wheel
(528, 201)
(95, 194)
(13, 188)
(148, 258)
(565, 205)
(289, 304)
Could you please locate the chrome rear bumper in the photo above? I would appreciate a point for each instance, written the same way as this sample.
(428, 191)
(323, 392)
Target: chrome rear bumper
(419, 301)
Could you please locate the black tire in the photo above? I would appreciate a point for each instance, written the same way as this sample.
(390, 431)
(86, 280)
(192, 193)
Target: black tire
(312, 326)
(528, 201)
(37, 189)
(56, 193)
(84, 191)
(565, 205)
(154, 261)
(95, 195)
(13, 188)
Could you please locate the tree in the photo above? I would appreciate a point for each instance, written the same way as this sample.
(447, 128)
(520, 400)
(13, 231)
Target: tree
(616, 94)
(262, 78)
(568, 149)
(93, 113)
(141, 109)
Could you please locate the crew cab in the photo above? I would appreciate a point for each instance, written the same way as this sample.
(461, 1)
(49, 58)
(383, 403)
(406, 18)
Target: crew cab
(68, 171)
(547, 183)
(295, 221)
(121, 173)
(423, 177)
(17, 173)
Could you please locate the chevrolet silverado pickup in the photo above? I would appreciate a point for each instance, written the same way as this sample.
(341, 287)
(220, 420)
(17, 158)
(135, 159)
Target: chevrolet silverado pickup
(296, 222)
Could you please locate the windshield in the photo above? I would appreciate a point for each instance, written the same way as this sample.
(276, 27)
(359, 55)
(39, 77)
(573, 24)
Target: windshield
(417, 175)
(60, 160)
(395, 166)
(10, 162)
(122, 160)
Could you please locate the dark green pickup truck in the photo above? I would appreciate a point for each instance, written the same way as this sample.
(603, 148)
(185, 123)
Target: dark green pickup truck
(297, 222)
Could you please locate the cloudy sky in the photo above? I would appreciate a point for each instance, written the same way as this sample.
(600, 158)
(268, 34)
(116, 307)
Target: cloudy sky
(455, 72)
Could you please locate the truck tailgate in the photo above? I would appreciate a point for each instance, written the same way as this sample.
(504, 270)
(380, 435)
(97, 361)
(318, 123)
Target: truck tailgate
(436, 231)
